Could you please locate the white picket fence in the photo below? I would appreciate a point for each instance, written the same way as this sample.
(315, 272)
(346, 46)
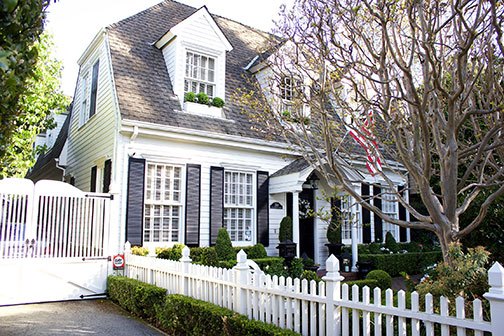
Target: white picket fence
(324, 308)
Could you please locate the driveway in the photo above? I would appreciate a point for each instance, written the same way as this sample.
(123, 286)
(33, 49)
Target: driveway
(87, 317)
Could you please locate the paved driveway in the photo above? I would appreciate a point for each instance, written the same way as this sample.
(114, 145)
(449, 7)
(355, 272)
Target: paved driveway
(88, 317)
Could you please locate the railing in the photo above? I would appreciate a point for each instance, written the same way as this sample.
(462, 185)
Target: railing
(324, 308)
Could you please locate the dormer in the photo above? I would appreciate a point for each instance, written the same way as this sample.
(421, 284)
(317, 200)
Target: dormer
(195, 54)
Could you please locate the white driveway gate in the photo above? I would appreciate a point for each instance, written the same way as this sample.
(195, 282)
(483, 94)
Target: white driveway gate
(53, 242)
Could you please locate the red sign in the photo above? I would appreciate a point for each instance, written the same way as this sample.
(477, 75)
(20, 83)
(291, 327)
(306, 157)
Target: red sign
(118, 262)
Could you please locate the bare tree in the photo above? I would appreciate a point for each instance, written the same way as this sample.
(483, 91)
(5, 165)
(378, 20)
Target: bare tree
(419, 83)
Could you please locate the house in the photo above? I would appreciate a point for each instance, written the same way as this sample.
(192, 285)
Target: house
(183, 170)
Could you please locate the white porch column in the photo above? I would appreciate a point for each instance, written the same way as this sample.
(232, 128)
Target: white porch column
(295, 221)
(355, 241)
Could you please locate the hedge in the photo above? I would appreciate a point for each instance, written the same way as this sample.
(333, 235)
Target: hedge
(269, 261)
(411, 263)
(180, 315)
(371, 283)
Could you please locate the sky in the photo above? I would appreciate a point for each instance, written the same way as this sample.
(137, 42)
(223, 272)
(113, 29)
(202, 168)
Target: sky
(74, 23)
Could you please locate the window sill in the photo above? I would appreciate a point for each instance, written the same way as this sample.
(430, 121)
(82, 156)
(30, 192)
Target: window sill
(195, 108)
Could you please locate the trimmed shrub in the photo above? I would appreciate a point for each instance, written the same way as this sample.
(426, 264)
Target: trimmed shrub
(135, 296)
(333, 232)
(218, 102)
(139, 250)
(202, 98)
(296, 268)
(285, 229)
(195, 253)
(226, 264)
(177, 251)
(257, 252)
(383, 278)
(371, 283)
(190, 97)
(209, 257)
(165, 253)
(391, 243)
(245, 249)
(374, 248)
(223, 246)
(411, 263)
(187, 316)
(310, 275)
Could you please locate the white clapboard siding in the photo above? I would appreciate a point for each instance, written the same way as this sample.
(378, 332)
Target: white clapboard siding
(302, 306)
(95, 139)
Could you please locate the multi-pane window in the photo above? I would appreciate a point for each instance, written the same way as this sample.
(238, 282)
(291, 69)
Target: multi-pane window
(346, 218)
(389, 207)
(238, 205)
(163, 203)
(289, 91)
(199, 74)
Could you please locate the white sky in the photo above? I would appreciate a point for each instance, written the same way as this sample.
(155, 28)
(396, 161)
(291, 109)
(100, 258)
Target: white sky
(74, 23)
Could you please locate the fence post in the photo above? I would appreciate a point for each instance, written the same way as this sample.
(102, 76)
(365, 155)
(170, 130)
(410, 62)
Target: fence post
(127, 253)
(241, 271)
(184, 280)
(495, 296)
(333, 294)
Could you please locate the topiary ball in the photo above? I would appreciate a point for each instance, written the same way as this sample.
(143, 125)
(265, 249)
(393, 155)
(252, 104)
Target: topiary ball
(383, 278)
(257, 251)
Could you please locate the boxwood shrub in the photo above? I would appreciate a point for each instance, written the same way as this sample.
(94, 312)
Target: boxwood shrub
(180, 315)
(411, 263)
(371, 283)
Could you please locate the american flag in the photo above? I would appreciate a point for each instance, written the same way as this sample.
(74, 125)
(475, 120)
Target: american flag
(365, 139)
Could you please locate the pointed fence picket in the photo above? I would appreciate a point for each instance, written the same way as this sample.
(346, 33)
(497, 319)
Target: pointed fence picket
(324, 308)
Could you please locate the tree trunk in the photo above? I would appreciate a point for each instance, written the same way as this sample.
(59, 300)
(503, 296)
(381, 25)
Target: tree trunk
(445, 239)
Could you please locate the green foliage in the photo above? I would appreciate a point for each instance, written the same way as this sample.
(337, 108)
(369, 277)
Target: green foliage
(179, 315)
(391, 243)
(333, 233)
(296, 268)
(187, 316)
(310, 275)
(285, 231)
(464, 276)
(411, 263)
(209, 257)
(218, 102)
(174, 253)
(374, 248)
(139, 250)
(202, 98)
(245, 249)
(413, 247)
(41, 97)
(257, 252)
(195, 253)
(223, 246)
(135, 296)
(308, 262)
(383, 278)
(228, 264)
(22, 25)
(190, 97)
(371, 283)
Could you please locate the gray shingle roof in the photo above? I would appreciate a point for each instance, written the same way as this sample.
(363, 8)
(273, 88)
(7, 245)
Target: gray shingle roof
(142, 81)
(293, 167)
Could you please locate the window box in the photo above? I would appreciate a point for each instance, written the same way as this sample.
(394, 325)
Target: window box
(202, 109)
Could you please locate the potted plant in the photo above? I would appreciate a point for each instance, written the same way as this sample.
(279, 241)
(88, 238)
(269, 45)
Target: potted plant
(333, 235)
(286, 247)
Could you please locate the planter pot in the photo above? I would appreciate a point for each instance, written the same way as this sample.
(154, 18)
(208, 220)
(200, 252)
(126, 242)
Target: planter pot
(364, 268)
(196, 108)
(335, 249)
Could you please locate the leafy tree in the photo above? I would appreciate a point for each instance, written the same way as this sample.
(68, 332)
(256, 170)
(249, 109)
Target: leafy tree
(41, 97)
(419, 83)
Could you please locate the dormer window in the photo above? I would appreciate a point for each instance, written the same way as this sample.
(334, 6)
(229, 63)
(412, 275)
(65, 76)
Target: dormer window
(291, 104)
(199, 74)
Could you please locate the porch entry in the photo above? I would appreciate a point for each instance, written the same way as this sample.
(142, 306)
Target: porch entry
(54, 242)
(306, 223)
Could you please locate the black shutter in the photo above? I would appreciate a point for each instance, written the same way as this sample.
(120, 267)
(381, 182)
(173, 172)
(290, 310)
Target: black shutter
(366, 215)
(289, 204)
(193, 203)
(107, 175)
(216, 202)
(72, 181)
(94, 89)
(92, 186)
(402, 216)
(263, 208)
(378, 226)
(135, 201)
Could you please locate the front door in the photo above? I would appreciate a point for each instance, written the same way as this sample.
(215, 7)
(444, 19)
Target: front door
(306, 223)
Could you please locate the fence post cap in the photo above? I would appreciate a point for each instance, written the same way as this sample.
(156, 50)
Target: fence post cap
(496, 279)
(185, 254)
(241, 257)
(332, 267)
(127, 247)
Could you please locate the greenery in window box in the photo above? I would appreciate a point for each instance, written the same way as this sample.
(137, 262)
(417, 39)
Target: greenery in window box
(285, 231)
(218, 102)
(202, 98)
(223, 246)
(190, 97)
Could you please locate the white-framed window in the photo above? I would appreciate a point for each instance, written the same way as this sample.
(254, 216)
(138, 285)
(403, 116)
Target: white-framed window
(200, 74)
(239, 203)
(389, 207)
(163, 203)
(346, 217)
(84, 88)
